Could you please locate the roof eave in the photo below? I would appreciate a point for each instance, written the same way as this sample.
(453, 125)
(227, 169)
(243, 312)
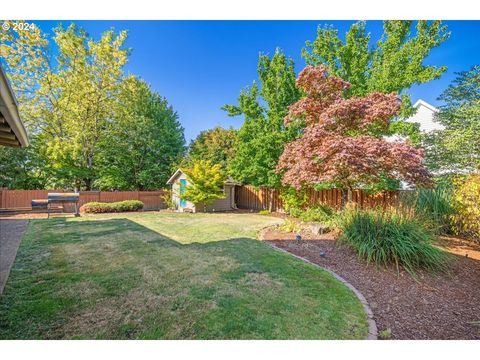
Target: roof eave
(426, 104)
(9, 110)
(174, 176)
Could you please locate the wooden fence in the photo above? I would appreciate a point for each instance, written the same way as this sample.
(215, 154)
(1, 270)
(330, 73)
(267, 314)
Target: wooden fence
(249, 197)
(246, 197)
(21, 199)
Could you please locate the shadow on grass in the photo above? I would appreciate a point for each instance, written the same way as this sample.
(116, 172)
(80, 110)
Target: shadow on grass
(245, 250)
(94, 278)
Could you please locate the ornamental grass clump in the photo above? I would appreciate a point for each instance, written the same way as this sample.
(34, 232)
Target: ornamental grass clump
(392, 237)
(436, 207)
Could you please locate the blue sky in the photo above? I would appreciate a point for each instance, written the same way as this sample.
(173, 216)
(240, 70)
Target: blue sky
(201, 65)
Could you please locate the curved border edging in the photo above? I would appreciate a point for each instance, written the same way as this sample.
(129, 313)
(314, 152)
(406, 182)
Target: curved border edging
(372, 325)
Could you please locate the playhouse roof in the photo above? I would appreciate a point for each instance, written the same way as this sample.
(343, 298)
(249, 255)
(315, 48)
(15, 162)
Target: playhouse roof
(179, 171)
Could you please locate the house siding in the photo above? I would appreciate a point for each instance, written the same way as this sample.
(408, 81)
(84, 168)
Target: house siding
(176, 193)
(225, 204)
(425, 116)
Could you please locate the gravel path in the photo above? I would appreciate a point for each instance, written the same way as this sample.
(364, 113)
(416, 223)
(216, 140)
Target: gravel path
(431, 307)
(11, 233)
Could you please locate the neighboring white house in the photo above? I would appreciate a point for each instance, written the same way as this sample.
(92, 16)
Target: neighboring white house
(425, 116)
(179, 183)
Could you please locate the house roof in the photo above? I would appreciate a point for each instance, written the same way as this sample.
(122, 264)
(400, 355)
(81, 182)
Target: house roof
(12, 130)
(179, 171)
(174, 176)
(424, 103)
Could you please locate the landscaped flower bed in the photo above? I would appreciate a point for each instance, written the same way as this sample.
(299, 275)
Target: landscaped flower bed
(427, 306)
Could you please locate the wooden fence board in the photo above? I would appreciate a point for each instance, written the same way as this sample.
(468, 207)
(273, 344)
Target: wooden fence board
(250, 197)
(15, 199)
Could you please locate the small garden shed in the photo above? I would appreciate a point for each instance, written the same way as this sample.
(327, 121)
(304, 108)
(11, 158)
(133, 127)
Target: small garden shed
(179, 183)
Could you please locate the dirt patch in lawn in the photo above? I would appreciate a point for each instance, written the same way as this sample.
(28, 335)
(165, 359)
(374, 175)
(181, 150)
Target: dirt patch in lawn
(432, 307)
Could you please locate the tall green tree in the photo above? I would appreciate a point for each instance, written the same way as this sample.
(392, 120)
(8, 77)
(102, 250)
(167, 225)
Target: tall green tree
(71, 96)
(21, 168)
(25, 55)
(263, 135)
(90, 126)
(143, 144)
(457, 146)
(393, 64)
(216, 145)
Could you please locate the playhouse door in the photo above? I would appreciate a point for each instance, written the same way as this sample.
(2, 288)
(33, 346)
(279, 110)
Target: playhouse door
(183, 187)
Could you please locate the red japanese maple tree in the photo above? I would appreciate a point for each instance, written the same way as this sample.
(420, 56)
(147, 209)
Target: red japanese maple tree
(342, 142)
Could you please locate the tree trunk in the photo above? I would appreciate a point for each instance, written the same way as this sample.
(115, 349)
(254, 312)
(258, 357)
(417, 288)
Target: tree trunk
(270, 202)
(347, 197)
(88, 181)
(88, 184)
(77, 185)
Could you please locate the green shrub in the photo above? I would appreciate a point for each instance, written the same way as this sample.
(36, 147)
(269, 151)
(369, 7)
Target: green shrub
(293, 199)
(295, 212)
(319, 213)
(466, 200)
(391, 237)
(167, 198)
(120, 206)
(264, 212)
(291, 226)
(385, 334)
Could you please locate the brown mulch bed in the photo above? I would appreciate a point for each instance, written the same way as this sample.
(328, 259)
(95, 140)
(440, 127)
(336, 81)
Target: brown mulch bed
(442, 306)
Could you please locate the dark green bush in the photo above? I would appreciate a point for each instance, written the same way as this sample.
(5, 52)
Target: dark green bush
(295, 212)
(391, 237)
(120, 206)
(293, 199)
(318, 213)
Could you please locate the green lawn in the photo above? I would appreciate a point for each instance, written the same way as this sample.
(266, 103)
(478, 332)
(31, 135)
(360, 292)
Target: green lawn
(169, 276)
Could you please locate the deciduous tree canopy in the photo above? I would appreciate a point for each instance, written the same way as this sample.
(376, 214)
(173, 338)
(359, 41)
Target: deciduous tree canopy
(457, 147)
(263, 135)
(339, 145)
(393, 64)
(216, 145)
(80, 109)
(142, 144)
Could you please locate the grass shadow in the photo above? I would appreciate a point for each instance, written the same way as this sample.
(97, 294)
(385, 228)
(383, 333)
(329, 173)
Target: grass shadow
(118, 279)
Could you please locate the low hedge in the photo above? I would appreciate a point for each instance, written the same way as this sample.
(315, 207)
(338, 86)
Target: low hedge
(119, 206)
